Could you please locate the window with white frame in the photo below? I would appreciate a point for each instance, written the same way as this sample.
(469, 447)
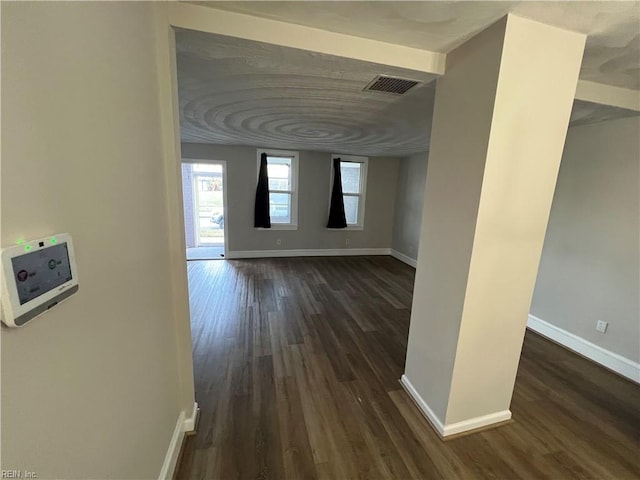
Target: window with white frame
(282, 169)
(353, 170)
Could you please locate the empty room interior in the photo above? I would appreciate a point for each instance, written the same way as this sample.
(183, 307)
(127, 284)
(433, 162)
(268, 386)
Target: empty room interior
(333, 240)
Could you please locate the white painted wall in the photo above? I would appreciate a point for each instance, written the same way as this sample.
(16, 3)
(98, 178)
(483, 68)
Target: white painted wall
(313, 202)
(590, 266)
(91, 389)
(409, 199)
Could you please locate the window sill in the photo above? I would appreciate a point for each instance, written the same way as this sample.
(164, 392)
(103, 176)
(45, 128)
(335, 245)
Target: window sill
(349, 228)
(275, 226)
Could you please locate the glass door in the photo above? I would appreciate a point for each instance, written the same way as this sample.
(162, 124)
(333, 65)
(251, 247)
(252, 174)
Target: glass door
(203, 186)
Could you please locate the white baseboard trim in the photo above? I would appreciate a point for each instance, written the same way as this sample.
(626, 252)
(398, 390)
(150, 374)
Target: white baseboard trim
(171, 458)
(454, 428)
(190, 422)
(183, 424)
(324, 252)
(476, 423)
(404, 258)
(619, 364)
(422, 405)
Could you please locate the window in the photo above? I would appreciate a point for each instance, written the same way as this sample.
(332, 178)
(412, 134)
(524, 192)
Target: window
(282, 169)
(354, 181)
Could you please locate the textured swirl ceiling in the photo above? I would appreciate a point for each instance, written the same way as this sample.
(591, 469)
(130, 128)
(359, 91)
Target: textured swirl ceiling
(240, 92)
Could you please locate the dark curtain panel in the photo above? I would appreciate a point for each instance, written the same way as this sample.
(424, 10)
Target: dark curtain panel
(261, 213)
(337, 218)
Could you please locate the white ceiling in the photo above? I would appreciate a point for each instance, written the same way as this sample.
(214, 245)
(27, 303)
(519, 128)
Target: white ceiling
(240, 92)
(612, 54)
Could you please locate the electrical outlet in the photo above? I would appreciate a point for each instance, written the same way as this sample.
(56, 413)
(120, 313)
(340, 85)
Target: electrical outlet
(278, 242)
(601, 326)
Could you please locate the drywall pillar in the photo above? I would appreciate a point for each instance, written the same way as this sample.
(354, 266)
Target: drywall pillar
(500, 119)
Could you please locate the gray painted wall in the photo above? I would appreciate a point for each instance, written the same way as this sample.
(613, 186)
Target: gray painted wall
(589, 269)
(313, 202)
(409, 200)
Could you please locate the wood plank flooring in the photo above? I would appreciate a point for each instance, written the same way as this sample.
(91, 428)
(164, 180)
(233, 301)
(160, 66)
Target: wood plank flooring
(297, 362)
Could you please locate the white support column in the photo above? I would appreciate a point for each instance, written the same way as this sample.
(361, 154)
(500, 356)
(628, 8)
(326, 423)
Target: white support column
(501, 115)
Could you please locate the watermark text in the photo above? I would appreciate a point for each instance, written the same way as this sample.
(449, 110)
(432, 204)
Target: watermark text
(18, 474)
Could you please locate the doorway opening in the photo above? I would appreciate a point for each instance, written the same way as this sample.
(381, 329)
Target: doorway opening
(203, 187)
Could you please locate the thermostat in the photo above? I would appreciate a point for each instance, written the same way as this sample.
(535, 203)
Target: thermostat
(36, 276)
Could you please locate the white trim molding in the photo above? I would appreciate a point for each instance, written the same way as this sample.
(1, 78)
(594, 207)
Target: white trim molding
(617, 363)
(477, 423)
(279, 226)
(412, 262)
(292, 158)
(429, 414)
(184, 424)
(361, 194)
(190, 422)
(327, 252)
(241, 25)
(453, 428)
(171, 457)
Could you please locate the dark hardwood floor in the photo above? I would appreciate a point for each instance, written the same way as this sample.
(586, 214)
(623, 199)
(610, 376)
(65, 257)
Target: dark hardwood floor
(297, 363)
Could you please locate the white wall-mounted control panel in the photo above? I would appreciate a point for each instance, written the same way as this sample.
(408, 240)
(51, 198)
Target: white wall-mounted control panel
(36, 276)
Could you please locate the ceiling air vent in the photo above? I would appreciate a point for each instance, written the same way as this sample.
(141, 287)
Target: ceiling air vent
(398, 86)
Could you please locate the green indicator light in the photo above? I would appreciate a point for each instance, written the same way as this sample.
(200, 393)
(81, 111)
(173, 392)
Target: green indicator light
(27, 247)
(53, 240)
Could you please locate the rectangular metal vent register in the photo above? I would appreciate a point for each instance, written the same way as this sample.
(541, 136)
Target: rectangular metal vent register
(398, 86)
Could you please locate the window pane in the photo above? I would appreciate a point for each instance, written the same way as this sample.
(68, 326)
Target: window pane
(351, 209)
(279, 171)
(350, 177)
(207, 167)
(278, 183)
(280, 207)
